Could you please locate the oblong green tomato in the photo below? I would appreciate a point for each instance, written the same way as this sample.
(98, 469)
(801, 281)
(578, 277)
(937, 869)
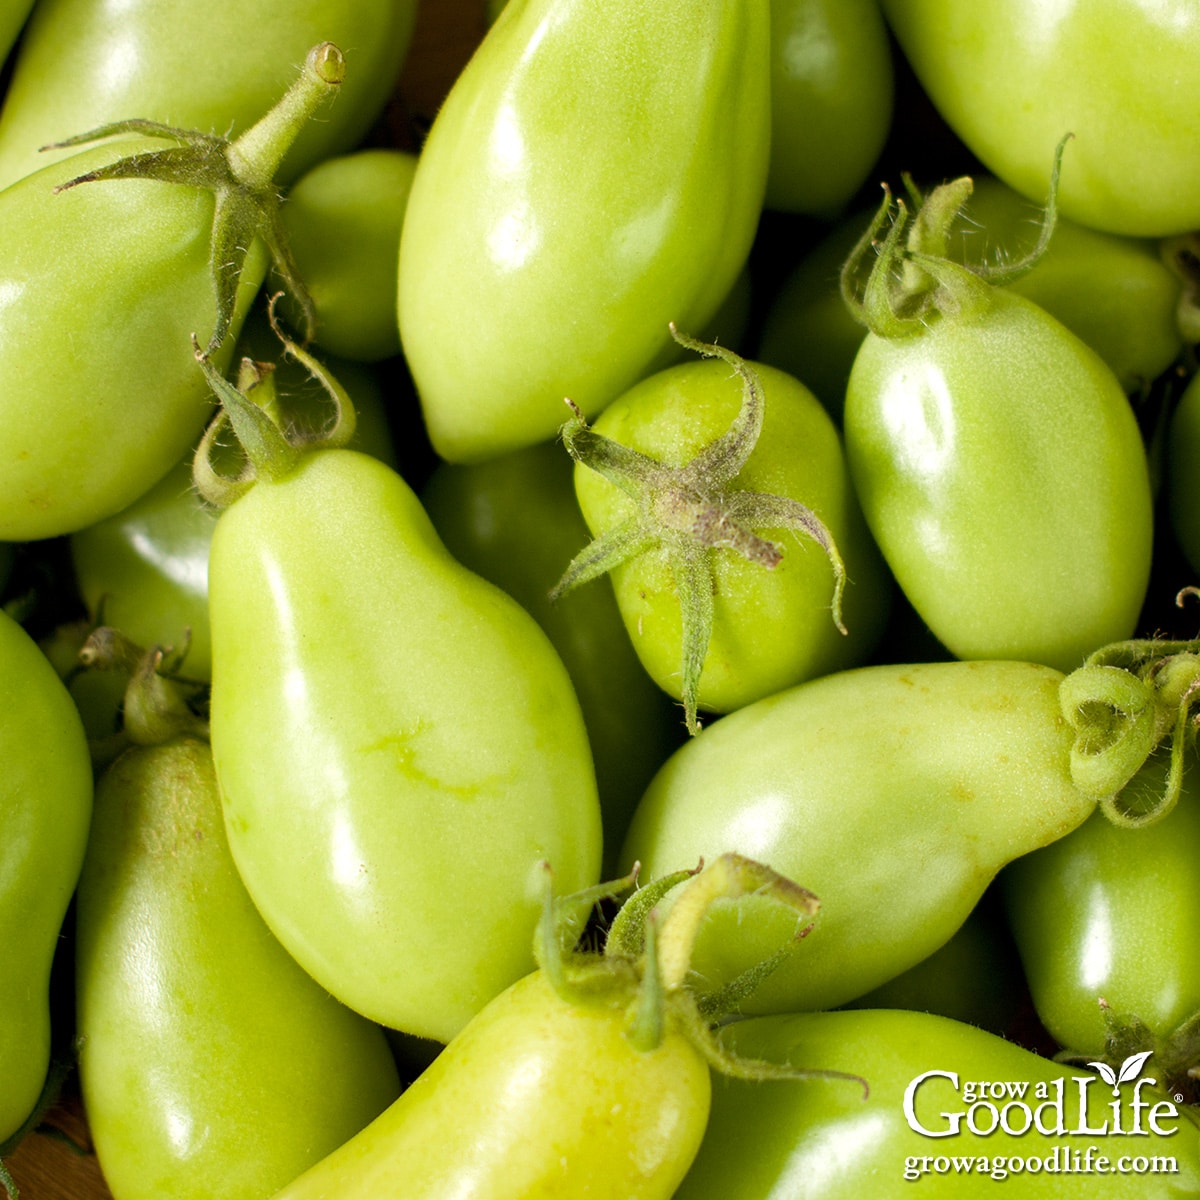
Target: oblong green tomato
(343, 220)
(1113, 292)
(771, 627)
(514, 521)
(1003, 476)
(45, 810)
(216, 67)
(144, 570)
(831, 101)
(596, 172)
(101, 289)
(538, 1097)
(895, 792)
(210, 1063)
(825, 1141)
(1183, 473)
(398, 746)
(1012, 77)
(1111, 914)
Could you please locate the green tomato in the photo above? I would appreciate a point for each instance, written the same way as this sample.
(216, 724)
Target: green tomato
(343, 220)
(101, 289)
(1003, 476)
(12, 17)
(825, 1141)
(189, 1010)
(771, 627)
(214, 67)
(145, 569)
(1105, 921)
(1012, 77)
(538, 1097)
(1183, 472)
(895, 792)
(398, 746)
(514, 521)
(45, 810)
(596, 172)
(831, 101)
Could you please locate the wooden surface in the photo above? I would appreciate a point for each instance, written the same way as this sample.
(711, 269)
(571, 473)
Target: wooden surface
(56, 1163)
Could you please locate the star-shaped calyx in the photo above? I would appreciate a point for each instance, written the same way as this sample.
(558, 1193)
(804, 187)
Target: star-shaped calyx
(239, 172)
(692, 513)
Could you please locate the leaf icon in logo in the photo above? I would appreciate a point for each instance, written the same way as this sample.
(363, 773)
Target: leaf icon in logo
(1106, 1073)
(1131, 1068)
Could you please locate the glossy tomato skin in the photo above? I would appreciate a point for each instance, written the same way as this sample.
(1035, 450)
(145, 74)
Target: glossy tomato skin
(895, 792)
(195, 66)
(533, 267)
(771, 628)
(538, 1097)
(1111, 913)
(102, 394)
(1183, 473)
(831, 102)
(1012, 78)
(822, 1140)
(397, 744)
(188, 1009)
(1003, 476)
(45, 809)
(514, 520)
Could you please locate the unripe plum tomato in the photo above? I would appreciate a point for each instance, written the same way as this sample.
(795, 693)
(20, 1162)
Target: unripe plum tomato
(214, 67)
(831, 102)
(1183, 472)
(771, 627)
(398, 745)
(533, 267)
(1011, 77)
(188, 1008)
(343, 219)
(823, 1141)
(538, 1097)
(895, 792)
(45, 811)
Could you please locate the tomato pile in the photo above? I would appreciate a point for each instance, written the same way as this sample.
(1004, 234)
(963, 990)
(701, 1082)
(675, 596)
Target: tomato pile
(574, 645)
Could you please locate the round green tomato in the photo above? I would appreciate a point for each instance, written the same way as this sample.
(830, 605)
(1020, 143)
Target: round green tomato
(343, 220)
(596, 172)
(831, 101)
(538, 1097)
(895, 792)
(514, 521)
(145, 569)
(189, 1010)
(101, 288)
(45, 810)
(771, 627)
(1183, 472)
(1012, 77)
(926, 1123)
(1110, 914)
(216, 67)
(398, 746)
(1003, 476)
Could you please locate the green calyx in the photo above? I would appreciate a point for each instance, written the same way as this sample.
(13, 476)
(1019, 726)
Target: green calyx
(645, 964)
(692, 513)
(239, 173)
(1126, 702)
(912, 281)
(251, 410)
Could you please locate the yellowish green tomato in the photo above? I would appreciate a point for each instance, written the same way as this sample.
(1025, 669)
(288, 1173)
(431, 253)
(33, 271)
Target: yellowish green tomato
(211, 1064)
(12, 17)
(343, 219)
(45, 811)
(534, 265)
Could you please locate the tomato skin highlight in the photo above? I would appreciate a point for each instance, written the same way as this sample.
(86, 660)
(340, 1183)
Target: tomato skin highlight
(45, 811)
(1003, 476)
(538, 1097)
(397, 744)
